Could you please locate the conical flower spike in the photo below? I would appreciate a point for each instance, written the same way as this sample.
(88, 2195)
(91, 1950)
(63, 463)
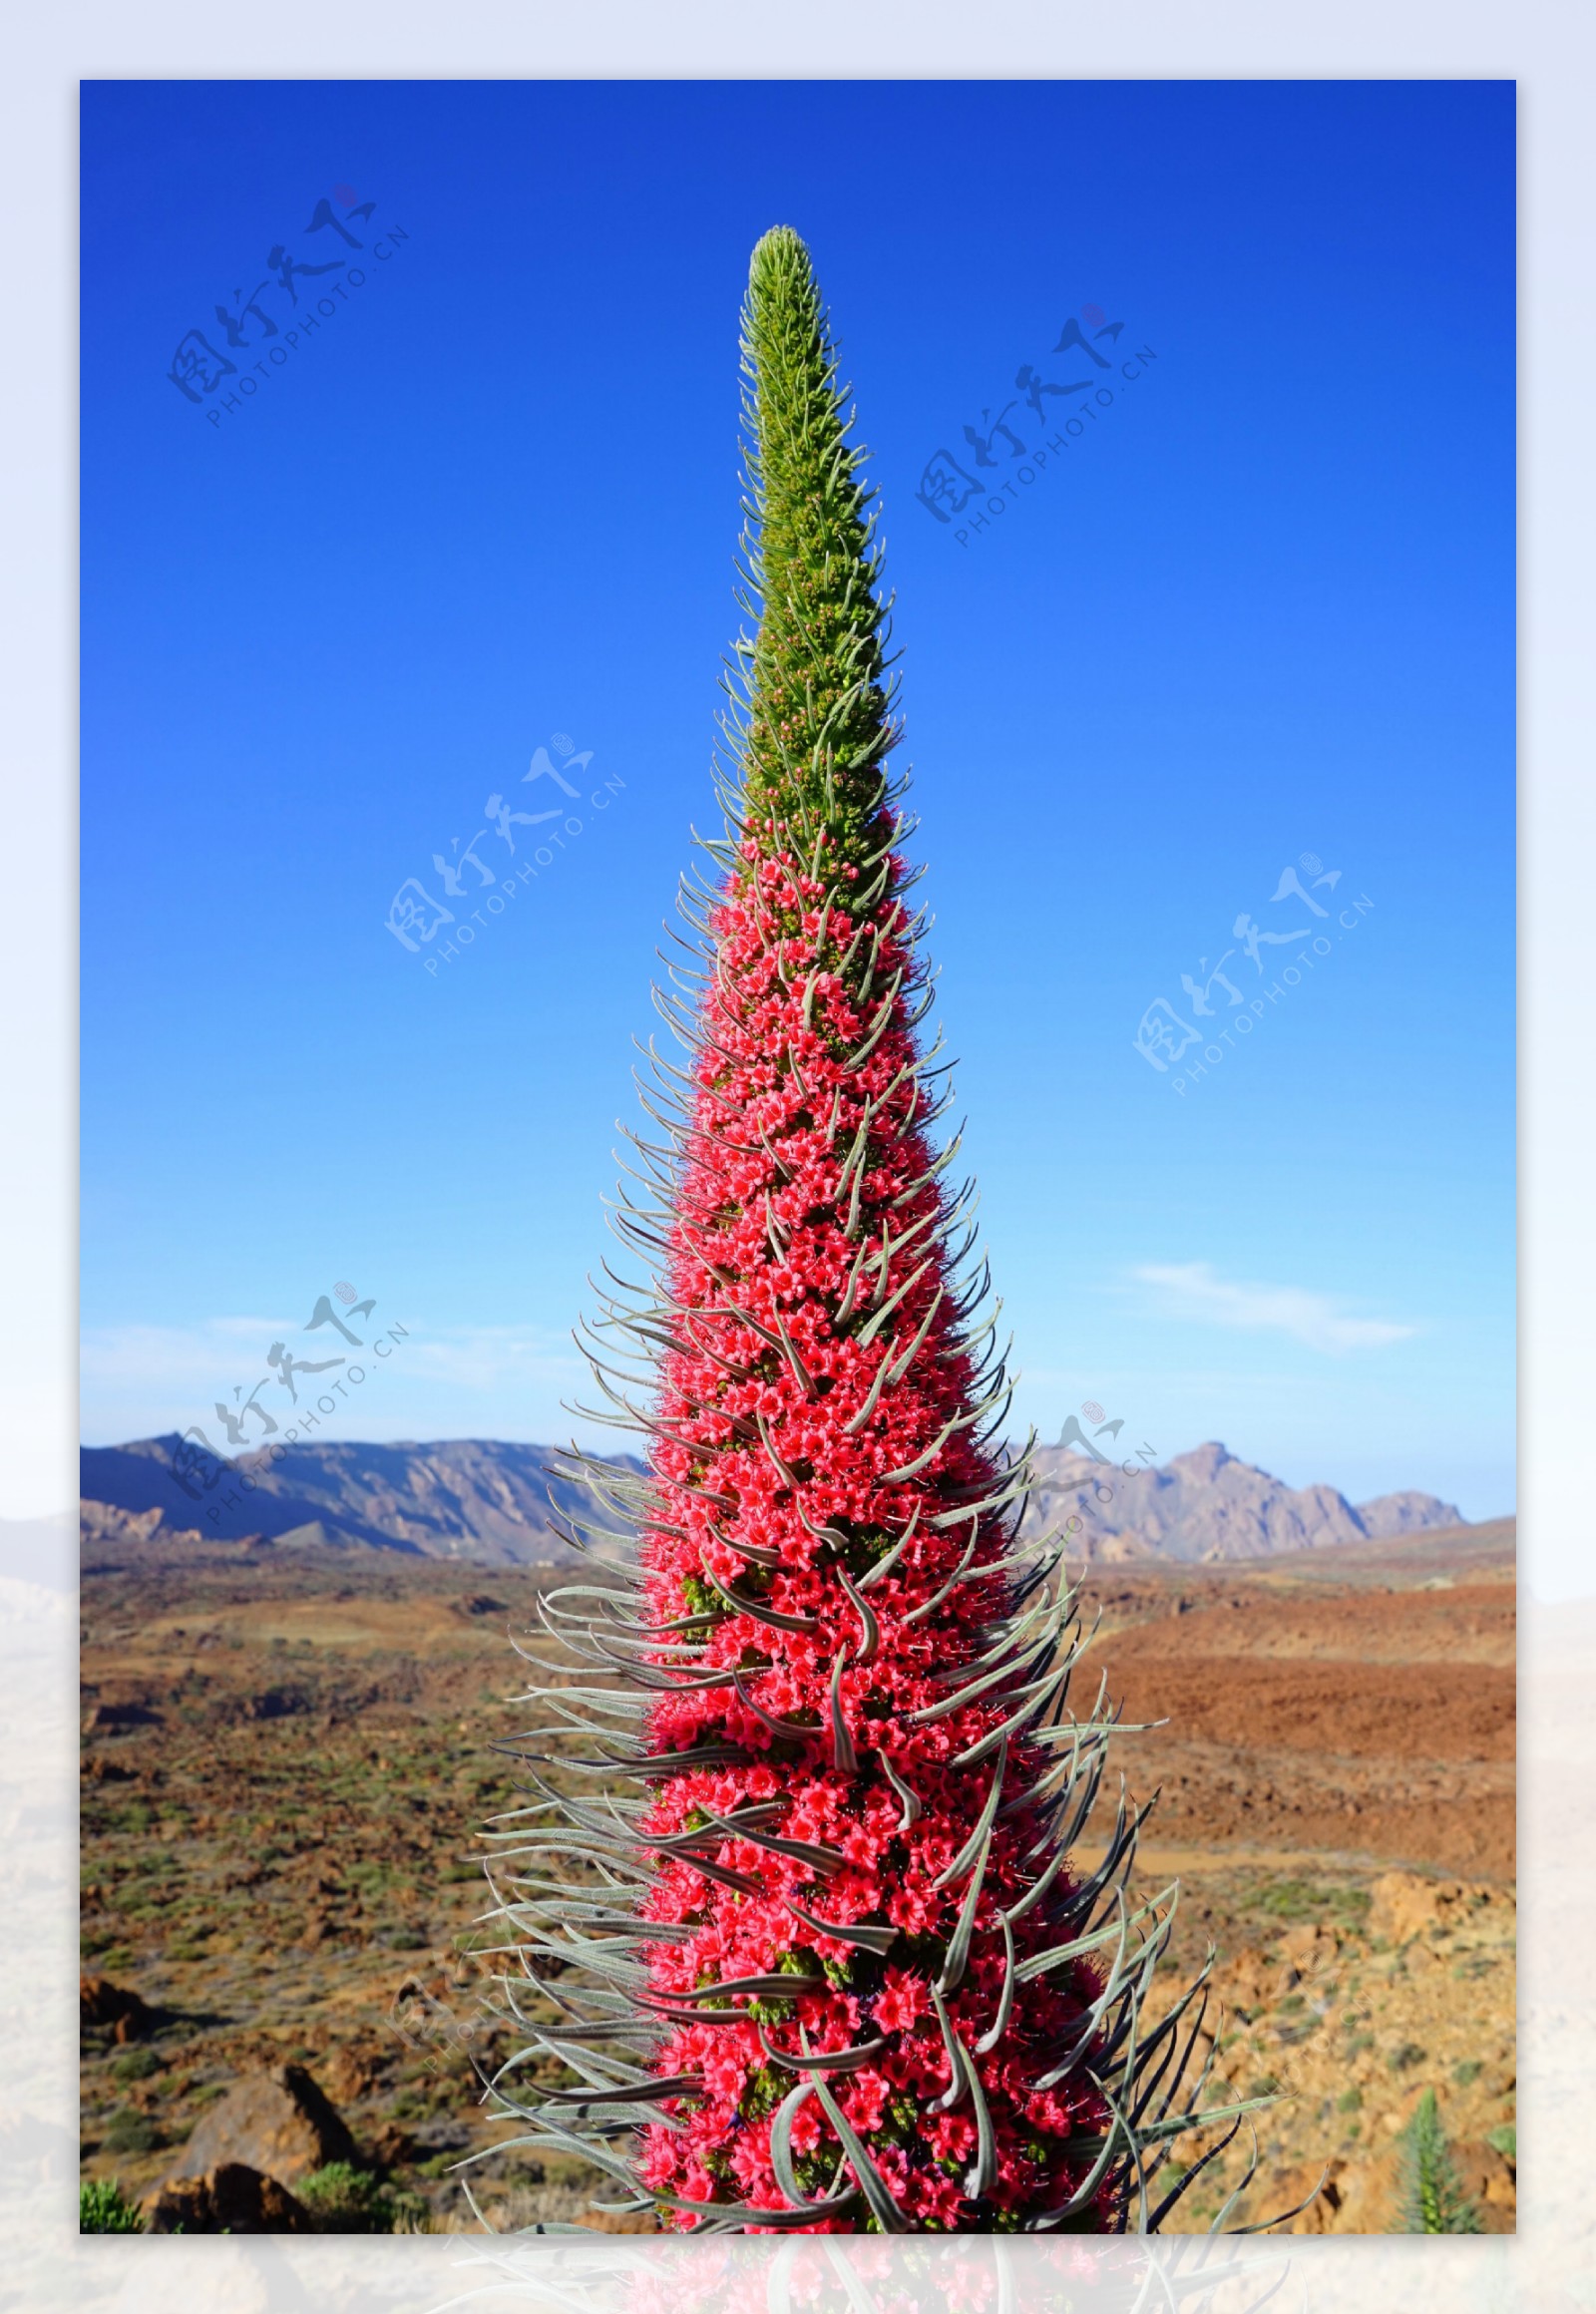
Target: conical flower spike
(854, 1986)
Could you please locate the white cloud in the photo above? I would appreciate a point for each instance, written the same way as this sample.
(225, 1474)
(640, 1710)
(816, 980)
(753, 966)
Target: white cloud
(1193, 1290)
(142, 1380)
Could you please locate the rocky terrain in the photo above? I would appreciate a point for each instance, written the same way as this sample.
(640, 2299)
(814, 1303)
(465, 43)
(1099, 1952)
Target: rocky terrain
(495, 1503)
(287, 1762)
(1336, 1779)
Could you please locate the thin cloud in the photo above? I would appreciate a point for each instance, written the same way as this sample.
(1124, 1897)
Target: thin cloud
(142, 1380)
(1194, 1289)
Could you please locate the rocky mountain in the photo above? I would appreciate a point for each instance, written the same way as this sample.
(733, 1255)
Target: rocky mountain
(1207, 1505)
(484, 1499)
(489, 1501)
(1404, 1514)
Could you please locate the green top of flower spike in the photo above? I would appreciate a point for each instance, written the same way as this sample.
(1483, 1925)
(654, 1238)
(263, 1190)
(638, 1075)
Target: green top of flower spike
(818, 713)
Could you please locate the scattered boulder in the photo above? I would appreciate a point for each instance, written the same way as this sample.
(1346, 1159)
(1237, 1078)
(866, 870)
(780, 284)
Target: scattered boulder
(1340, 2195)
(231, 2199)
(1307, 1952)
(275, 1703)
(99, 2003)
(393, 2147)
(1489, 2177)
(354, 2071)
(97, 1769)
(1404, 1904)
(1323, 2188)
(279, 2122)
(116, 1718)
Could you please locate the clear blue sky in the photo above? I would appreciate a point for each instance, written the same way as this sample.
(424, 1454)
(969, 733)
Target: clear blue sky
(1261, 607)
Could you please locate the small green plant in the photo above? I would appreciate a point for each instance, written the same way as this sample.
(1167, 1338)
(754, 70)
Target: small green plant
(1403, 2059)
(1430, 2196)
(134, 2064)
(1470, 2070)
(1296, 1900)
(1504, 2140)
(1351, 2100)
(128, 2131)
(104, 2208)
(343, 2199)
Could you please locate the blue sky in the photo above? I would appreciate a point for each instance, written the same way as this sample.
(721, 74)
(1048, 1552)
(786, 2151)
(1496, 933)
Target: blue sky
(1260, 607)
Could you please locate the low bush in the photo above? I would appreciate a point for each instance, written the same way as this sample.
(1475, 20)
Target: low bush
(104, 2208)
(344, 2199)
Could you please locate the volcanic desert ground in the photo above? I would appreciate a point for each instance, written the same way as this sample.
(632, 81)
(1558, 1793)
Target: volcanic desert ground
(288, 1754)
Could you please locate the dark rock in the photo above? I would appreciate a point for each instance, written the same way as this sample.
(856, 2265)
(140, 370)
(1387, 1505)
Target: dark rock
(99, 2002)
(277, 1704)
(393, 2147)
(231, 2199)
(279, 2122)
(116, 1718)
(97, 1769)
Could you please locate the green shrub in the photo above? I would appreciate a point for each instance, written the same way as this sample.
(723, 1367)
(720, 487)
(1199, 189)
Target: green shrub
(1290, 1900)
(103, 2208)
(129, 2132)
(343, 2199)
(134, 2064)
(1504, 2140)
(1430, 2196)
(1470, 2070)
(1351, 2100)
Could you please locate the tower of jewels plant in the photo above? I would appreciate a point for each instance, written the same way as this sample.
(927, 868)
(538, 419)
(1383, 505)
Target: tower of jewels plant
(790, 1918)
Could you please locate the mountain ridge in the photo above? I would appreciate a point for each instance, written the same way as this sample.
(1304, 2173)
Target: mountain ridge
(1208, 1505)
(493, 1501)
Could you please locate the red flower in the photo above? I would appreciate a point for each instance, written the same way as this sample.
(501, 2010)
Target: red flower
(860, 1946)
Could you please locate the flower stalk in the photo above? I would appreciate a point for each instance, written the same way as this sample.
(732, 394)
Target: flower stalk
(830, 1968)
